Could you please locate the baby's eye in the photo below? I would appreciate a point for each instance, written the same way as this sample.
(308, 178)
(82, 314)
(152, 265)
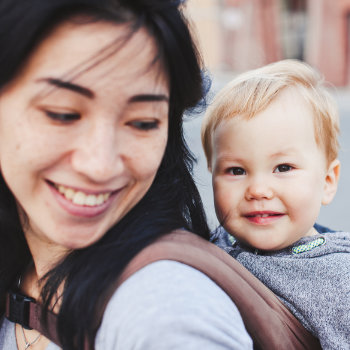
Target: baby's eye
(236, 171)
(145, 125)
(282, 168)
(63, 116)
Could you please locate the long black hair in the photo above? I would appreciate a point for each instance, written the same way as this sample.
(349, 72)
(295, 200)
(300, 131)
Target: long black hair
(171, 202)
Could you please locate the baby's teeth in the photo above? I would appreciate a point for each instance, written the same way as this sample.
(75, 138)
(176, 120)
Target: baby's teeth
(79, 198)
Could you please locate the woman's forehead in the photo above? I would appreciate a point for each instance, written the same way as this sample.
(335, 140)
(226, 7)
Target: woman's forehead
(98, 54)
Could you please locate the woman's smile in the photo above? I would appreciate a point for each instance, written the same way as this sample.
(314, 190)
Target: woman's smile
(83, 197)
(83, 203)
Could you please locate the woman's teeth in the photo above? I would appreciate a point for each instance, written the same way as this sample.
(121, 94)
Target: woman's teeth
(81, 198)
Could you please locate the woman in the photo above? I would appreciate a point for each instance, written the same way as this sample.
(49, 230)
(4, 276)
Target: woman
(94, 168)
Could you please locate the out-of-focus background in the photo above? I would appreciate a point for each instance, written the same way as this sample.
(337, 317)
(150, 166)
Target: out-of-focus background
(237, 35)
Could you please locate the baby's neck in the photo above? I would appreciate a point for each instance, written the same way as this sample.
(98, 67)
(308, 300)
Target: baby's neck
(311, 232)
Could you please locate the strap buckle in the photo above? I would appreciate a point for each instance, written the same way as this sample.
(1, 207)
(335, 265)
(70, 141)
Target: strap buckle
(18, 309)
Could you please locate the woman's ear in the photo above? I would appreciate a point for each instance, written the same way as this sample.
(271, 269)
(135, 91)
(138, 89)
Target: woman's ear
(331, 182)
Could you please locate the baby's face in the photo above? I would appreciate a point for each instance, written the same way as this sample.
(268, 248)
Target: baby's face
(269, 175)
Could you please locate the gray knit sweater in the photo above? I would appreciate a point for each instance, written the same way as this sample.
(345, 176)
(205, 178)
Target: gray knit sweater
(313, 282)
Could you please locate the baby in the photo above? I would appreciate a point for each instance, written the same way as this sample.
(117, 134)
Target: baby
(270, 138)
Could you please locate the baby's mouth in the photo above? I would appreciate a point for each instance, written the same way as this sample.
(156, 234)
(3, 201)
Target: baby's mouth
(264, 215)
(81, 198)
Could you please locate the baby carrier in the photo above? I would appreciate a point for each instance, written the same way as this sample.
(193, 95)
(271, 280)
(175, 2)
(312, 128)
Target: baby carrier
(269, 323)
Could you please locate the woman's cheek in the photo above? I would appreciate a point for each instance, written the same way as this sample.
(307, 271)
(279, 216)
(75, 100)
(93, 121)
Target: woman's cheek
(146, 158)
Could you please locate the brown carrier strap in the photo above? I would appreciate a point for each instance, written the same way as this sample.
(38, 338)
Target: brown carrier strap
(270, 324)
(25, 311)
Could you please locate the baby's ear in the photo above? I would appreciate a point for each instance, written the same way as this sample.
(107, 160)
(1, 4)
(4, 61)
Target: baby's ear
(331, 182)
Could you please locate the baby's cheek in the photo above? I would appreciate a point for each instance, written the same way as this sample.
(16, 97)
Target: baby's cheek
(304, 204)
(224, 204)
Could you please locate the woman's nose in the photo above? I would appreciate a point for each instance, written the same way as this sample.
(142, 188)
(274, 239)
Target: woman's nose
(258, 189)
(98, 155)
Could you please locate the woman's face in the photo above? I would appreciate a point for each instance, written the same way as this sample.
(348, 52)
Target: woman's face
(78, 152)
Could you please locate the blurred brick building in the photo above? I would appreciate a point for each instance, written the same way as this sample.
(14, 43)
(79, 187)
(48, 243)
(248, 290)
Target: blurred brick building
(236, 35)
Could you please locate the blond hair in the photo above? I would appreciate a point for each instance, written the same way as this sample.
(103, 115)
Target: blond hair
(253, 91)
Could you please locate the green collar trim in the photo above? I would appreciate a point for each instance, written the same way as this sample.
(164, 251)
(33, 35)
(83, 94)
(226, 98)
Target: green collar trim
(302, 248)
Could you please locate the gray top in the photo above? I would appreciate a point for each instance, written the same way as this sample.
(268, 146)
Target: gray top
(313, 282)
(166, 305)
(8, 338)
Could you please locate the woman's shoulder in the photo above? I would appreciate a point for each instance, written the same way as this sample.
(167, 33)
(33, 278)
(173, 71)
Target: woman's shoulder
(171, 305)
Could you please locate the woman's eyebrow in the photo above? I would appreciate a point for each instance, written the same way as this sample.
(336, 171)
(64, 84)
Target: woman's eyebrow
(69, 86)
(149, 98)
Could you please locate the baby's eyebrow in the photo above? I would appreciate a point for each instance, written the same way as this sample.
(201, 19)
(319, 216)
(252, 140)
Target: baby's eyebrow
(285, 152)
(229, 158)
(69, 86)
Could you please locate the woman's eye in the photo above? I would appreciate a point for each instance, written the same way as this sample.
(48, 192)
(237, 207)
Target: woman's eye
(63, 116)
(282, 168)
(236, 171)
(145, 125)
